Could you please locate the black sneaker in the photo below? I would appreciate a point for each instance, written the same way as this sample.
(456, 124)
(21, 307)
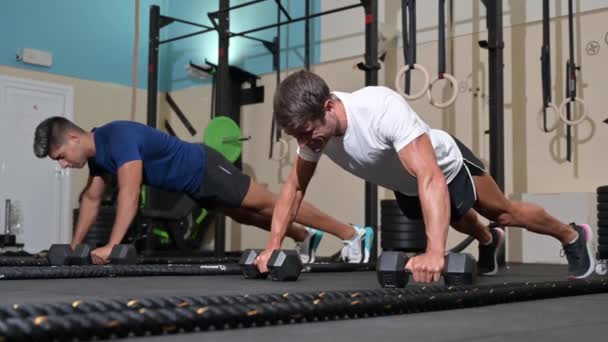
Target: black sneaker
(580, 261)
(487, 263)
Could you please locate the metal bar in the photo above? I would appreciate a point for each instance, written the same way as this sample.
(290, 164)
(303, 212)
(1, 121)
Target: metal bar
(182, 117)
(224, 10)
(495, 45)
(232, 34)
(236, 139)
(307, 36)
(185, 36)
(169, 129)
(496, 84)
(207, 28)
(278, 61)
(153, 44)
(187, 22)
(371, 79)
(282, 9)
(7, 217)
(223, 105)
(262, 28)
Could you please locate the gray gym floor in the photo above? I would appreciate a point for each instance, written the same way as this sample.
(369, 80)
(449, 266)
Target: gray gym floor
(545, 320)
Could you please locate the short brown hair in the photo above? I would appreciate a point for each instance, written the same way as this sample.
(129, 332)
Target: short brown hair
(300, 98)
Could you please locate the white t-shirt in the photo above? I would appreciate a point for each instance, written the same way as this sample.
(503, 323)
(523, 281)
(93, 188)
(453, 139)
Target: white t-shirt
(379, 124)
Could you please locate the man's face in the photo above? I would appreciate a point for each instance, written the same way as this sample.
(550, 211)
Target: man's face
(314, 134)
(70, 154)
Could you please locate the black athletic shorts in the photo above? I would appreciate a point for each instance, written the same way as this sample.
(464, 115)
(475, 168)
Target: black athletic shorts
(462, 189)
(223, 183)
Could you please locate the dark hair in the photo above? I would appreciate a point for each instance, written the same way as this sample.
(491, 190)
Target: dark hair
(300, 98)
(50, 134)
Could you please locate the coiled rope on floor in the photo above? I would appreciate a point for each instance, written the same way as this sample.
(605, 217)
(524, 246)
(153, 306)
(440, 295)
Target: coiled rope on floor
(105, 271)
(329, 305)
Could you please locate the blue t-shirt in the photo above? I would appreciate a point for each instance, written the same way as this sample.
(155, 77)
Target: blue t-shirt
(168, 162)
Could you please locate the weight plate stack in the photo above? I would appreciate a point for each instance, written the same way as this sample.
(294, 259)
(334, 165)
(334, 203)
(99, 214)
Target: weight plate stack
(399, 233)
(602, 222)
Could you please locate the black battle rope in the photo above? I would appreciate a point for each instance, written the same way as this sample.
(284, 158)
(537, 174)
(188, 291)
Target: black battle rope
(23, 261)
(382, 302)
(38, 261)
(135, 304)
(108, 271)
(161, 260)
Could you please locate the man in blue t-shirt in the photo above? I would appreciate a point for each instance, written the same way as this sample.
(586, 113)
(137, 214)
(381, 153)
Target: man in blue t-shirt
(138, 154)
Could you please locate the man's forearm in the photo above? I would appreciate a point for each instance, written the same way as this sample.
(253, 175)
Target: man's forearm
(125, 212)
(87, 214)
(284, 213)
(435, 202)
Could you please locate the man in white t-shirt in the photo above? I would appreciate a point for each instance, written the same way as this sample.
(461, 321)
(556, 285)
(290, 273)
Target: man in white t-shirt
(374, 134)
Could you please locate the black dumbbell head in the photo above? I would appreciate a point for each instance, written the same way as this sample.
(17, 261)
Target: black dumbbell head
(390, 269)
(285, 265)
(248, 268)
(460, 269)
(81, 255)
(123, 255)
(59, 254)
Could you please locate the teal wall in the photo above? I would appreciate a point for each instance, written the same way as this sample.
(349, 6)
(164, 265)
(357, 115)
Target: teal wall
(93, 39)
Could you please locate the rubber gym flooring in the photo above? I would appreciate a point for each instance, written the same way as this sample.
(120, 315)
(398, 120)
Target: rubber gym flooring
(561, 319)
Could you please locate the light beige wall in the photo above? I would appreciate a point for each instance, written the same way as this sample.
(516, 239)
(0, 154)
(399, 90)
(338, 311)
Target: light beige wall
(95, 103)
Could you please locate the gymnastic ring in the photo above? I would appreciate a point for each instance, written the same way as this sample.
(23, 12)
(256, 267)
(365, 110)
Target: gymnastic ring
(402, 72)
(283, 150)
(552, 107)
(562, 112)
(449, 102)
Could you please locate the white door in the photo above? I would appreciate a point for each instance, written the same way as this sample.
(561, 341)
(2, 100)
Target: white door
(38, 188)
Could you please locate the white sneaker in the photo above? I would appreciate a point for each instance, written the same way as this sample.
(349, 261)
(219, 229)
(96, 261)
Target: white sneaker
(358, 249)
(308, 248)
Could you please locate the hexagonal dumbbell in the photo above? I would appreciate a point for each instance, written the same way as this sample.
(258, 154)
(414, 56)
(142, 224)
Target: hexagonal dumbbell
(62, 254)
(459, 269)
(283, 265)
(123, 255)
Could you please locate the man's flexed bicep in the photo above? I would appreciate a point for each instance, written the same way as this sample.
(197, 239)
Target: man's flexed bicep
(419, 159)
